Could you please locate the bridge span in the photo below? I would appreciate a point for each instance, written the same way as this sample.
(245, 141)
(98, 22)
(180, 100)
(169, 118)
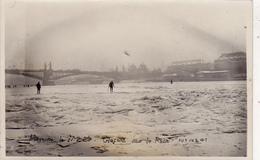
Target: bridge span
(49, 76)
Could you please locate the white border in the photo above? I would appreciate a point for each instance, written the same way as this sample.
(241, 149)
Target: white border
(2, 78)
(256, 79)
(256, 91)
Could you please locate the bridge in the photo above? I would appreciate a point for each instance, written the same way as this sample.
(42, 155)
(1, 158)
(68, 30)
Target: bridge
(48, 76)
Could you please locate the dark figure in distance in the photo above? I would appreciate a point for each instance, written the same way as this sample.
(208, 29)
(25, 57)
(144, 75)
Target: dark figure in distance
(111, 86)
(171, 81)
(38, 85)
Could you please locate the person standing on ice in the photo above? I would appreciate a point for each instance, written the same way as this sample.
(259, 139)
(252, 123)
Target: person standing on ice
(111, 86)
(38, 85)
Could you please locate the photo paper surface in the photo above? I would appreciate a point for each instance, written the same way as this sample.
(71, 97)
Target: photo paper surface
(122, 79)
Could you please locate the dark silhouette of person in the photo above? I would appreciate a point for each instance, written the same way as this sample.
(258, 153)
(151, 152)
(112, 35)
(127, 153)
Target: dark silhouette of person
(38, 85)
(171, 81)
(111, 86)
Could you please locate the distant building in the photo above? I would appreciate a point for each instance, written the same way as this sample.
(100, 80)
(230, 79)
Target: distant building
(191, 66)
(229, 66)
(132, 68)
(142, 68)
(235, 62)
(225, 74)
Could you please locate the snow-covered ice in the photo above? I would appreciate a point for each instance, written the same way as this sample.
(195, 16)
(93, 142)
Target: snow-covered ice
(137, 119)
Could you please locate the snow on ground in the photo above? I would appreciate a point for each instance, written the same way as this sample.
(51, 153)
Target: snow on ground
(137, 119)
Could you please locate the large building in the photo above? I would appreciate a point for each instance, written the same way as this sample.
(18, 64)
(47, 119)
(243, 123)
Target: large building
(229, 66)
(191, 66)
(235, 62)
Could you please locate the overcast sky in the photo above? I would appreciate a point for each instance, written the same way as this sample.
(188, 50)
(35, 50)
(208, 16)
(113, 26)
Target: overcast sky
(94, 35)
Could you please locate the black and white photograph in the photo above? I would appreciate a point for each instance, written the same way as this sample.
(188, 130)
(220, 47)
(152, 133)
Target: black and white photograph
(168, 79)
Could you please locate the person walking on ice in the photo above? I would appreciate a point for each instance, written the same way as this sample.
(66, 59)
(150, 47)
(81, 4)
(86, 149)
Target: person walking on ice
(111, 86)
(38, 85)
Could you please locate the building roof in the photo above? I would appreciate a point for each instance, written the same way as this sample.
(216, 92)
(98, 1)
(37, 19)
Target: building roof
(233, 55)
(196, 61)
(224, 71)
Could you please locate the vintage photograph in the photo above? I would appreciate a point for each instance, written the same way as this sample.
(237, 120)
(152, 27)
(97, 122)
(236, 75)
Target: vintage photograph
(127, 78)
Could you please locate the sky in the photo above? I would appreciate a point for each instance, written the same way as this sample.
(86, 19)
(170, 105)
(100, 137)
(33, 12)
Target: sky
(92, 35)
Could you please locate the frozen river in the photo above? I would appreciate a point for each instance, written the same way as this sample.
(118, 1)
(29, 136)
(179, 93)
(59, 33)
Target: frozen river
(137, 119)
